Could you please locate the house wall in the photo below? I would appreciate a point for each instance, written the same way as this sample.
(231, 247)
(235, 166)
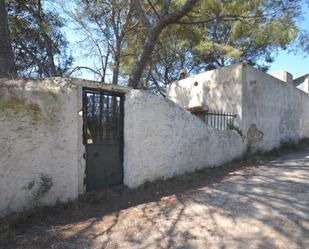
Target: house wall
(219, 89)
(163, 140)
(270, 109)
(41, 132)
(275, 106)
(304, 86)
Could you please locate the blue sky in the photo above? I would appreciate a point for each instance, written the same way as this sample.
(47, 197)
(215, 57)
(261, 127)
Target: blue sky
(296, 64)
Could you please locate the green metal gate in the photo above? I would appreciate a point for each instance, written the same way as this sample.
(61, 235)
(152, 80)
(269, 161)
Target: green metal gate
(103, 113)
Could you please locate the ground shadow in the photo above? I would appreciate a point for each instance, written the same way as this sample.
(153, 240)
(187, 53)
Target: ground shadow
(230, 206)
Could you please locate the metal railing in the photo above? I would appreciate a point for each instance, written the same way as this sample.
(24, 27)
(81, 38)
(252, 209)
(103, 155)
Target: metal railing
(220, 120)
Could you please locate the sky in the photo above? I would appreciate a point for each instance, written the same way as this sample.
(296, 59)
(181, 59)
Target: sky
(296, 64)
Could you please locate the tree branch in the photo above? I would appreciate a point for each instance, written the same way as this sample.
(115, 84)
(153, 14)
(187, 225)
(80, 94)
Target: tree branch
(141, 13)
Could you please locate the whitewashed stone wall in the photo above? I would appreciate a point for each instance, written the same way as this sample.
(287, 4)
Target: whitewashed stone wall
(270, 104)
(163, 140)
(304, 85)
(41, 133)
(219, 89)
(275, 106)
(38, 135)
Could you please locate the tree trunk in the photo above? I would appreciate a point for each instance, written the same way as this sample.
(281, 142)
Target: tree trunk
(154, 31)
(117, 65)
(48, 44)
(6, 56)
(104, 66)
(144, 58)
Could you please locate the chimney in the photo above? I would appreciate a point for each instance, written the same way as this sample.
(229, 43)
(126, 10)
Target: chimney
(284, 76)
(182, 74)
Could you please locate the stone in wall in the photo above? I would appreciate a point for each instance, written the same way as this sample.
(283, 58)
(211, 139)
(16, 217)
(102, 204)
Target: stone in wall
(254, 135)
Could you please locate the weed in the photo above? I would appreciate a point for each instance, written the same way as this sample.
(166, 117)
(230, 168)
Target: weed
(44, 183)
(5, 231)
(235, 128)
(92, 197)
(259, 155)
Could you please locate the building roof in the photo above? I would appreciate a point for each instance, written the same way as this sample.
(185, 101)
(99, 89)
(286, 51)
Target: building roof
(300, 79)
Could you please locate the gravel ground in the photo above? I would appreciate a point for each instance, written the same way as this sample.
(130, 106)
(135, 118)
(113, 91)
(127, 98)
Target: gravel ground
(253, 207)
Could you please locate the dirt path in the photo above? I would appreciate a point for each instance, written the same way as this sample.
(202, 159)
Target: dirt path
(255, 207)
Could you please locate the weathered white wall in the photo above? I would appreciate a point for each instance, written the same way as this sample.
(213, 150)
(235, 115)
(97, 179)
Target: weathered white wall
(219, 89)
(283, 76)
(304, 86)
(41, 132)
(275, 106)
(271, 104)
(38, 122)
(164, 140)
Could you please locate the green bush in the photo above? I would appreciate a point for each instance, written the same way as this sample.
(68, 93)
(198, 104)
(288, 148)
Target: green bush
(92, 197)
(288, 146)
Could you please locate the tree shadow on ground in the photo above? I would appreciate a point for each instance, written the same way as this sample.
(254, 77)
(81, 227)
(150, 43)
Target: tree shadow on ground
(226, 207)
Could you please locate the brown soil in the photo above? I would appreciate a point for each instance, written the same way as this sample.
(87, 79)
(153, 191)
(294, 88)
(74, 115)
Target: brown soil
(226, 207)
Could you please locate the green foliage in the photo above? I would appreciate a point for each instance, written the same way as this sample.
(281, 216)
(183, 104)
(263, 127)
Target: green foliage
(45, 184)
(218, 33)
(259, 155)
(214, 34)
(102, 25)
(42, 185)
(92, 197)
(17, 104)
(5, 230)
(39, 46)
(235, 128)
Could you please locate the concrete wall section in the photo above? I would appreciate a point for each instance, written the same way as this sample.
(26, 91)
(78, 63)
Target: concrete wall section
(304, 86)
(41, 135)
(38, 123)
(275, 107)
(303, 99)
(269, 109)
(164, 140)
(219, 89)
(41, 130)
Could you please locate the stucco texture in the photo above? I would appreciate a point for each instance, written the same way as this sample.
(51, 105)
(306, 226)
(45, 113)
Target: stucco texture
(276, 107)
(270, 109)
(41, 133)
(38, 136)
(219, 89)
(163, 140)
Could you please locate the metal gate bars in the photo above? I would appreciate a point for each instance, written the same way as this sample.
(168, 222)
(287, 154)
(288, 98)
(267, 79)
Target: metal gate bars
(103, 137)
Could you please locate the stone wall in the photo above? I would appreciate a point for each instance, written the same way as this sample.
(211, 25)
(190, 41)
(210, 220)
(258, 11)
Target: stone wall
(163, 140)
(270, 109)
(41, 130)
(42, 150)
(219, 89)
(41, 141)
(302, 83)
(38, 136)
(275, 106)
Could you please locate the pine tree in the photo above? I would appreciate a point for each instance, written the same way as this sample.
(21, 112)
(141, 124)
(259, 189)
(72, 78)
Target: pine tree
(6, 56)
(39, 46)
